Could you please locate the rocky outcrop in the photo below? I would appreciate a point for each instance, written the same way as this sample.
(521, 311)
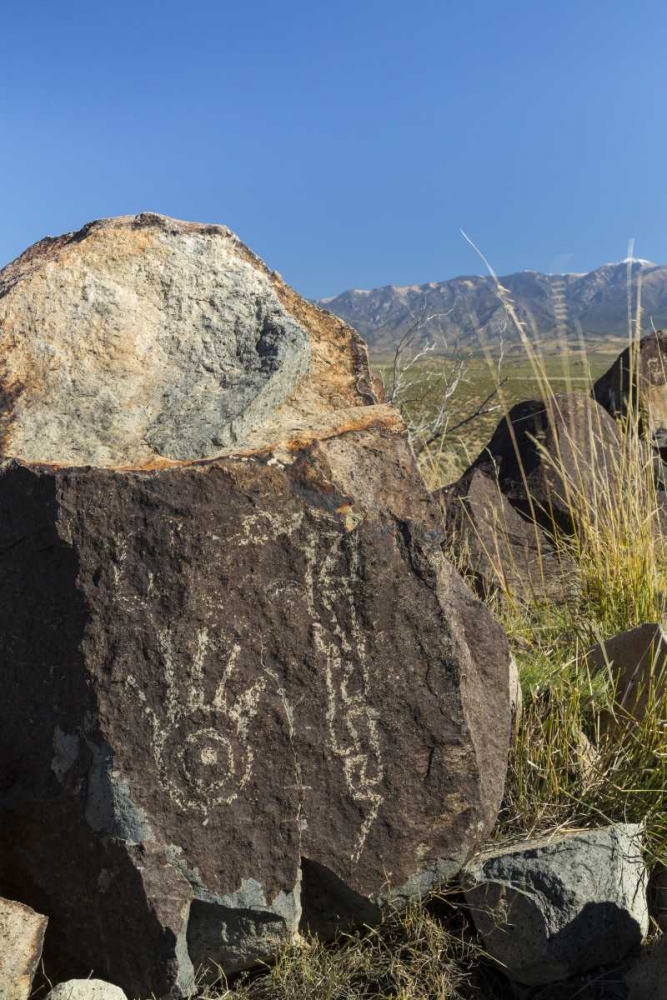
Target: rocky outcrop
(549, 458)
(21, 939)
(240, 681)
(553, 908)
(502, 551)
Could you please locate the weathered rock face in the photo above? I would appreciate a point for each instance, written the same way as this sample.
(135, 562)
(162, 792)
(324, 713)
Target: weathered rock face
(550, 909)
(637, 380)
(21, 940)
(548, 457)
(215, 669)
(504, 552)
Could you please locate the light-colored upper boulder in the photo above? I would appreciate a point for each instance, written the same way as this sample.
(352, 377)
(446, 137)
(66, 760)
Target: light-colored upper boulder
(143, 339)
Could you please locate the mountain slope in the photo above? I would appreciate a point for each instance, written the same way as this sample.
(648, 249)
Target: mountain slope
(469, 310)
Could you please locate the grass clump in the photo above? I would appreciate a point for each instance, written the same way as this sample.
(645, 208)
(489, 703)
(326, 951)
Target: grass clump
(425, 952)
(579, 757)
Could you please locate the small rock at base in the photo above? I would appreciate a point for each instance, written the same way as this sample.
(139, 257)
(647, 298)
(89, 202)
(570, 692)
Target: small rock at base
(21, 939)
(553, 908)
(86, 989)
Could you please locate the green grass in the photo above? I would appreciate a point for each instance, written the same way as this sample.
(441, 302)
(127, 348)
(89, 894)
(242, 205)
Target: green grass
(447, 459)
(568, 765)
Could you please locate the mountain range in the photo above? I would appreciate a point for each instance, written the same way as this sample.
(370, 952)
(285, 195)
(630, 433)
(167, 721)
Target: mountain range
(471, 312)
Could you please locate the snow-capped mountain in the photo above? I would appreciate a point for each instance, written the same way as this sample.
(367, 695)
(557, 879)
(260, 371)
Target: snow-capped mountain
(472, 310)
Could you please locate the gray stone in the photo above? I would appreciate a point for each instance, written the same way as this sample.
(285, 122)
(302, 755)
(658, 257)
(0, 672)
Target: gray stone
(86, 989)
(251, 686)
(636, 661)
(554, 908)
(21, 939)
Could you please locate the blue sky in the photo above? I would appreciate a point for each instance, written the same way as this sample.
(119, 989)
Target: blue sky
(346, 142)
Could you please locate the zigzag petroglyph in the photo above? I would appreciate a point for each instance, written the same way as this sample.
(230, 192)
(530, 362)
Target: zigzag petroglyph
(351, 723)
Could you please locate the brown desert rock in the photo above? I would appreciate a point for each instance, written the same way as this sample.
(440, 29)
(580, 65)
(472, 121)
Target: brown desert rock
(21, 939)
(637, 382)
(240, 681)
(636, 660)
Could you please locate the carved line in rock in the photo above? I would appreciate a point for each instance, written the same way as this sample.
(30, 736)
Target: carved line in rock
(353, 734)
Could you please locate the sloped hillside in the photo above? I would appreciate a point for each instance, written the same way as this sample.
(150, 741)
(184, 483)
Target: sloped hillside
(470, 310)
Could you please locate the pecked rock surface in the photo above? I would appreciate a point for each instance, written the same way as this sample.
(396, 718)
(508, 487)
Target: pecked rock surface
(243, 691)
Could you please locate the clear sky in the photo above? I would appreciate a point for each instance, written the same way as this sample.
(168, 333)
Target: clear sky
(348, 141)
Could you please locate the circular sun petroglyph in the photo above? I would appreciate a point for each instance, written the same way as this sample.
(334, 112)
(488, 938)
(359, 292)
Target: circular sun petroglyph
(201, 768)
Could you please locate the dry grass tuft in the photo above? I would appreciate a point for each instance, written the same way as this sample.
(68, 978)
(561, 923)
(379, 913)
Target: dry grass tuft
(426, 952)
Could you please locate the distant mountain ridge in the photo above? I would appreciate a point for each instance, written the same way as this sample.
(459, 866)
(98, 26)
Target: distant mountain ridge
(468, 311)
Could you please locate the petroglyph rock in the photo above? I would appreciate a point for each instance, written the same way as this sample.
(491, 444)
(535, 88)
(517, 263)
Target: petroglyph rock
(220, 673)
(21, 939)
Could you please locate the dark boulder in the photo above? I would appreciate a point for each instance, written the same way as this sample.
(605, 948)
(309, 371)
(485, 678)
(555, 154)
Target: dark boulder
(231, 649)
(637, 383)
(502, 551)
(550, 458)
